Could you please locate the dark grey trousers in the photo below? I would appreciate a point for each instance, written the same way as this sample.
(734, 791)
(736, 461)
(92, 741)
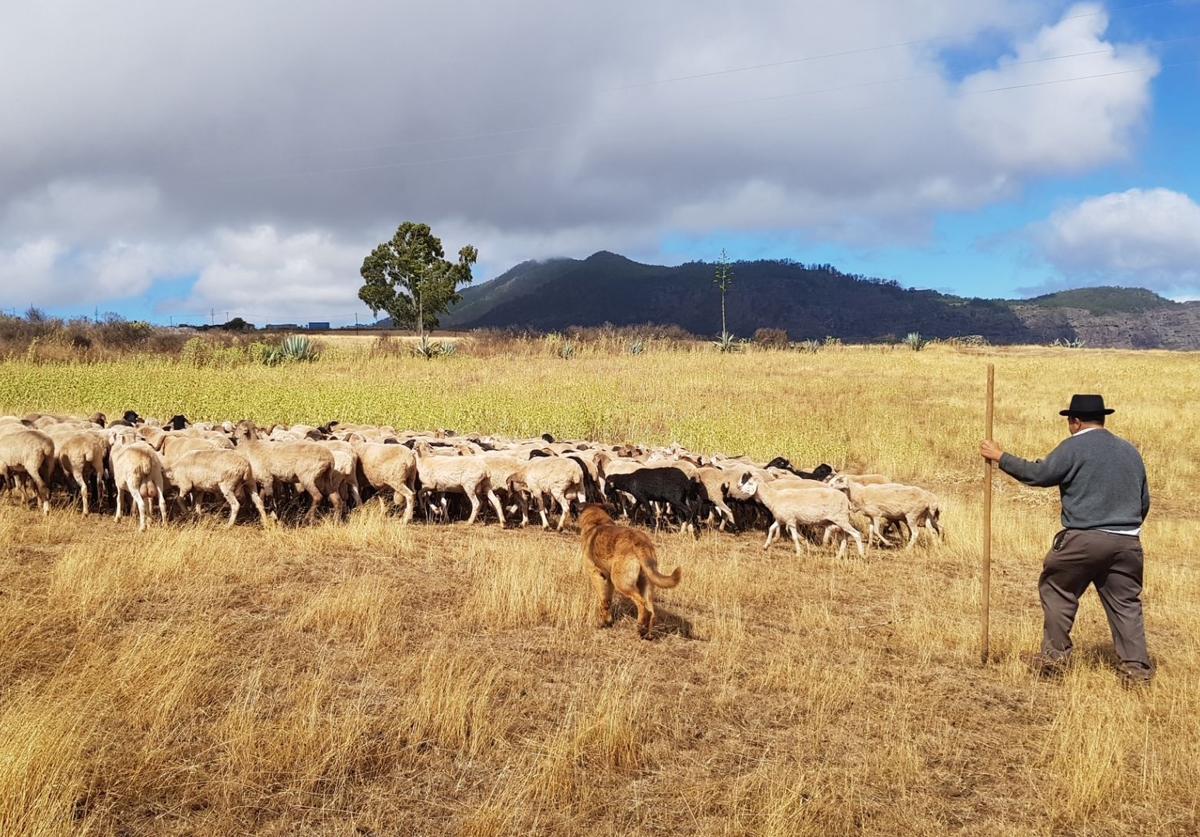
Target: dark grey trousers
(1113, 563)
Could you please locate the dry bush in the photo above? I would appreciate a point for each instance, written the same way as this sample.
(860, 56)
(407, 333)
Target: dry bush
(771, 338)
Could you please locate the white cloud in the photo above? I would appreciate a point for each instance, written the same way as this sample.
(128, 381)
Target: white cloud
(1039, 126)
(268, 146)
(264, 275)
(1147, 237)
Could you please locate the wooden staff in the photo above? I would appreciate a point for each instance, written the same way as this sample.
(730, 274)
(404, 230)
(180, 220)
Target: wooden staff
(986, 570)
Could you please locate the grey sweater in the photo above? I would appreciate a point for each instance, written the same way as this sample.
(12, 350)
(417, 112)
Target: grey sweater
(1100, 477)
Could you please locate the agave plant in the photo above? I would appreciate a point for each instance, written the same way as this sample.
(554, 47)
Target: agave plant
(637, 347)
(809, 346)
(915, 341)
(426, 348)
(727, 343)
(1062, 343)
(295, 348)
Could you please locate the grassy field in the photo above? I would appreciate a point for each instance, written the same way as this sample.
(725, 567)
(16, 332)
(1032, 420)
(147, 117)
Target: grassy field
(365, 678)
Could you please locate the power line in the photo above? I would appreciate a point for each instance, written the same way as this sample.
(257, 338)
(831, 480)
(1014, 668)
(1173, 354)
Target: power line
(855, 51)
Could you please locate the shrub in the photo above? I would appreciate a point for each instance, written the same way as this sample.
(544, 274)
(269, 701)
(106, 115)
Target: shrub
(915, 341)
(771, 338)
(809, 346)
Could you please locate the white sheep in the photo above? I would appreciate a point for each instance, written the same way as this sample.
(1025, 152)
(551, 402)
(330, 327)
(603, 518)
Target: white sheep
(305, 464)
(80, 454)
(794, 507)
(137, 468)
(458, 475)
(388, 468)
(893, 503)
(216, 471)
(560, 478)
(28, 452)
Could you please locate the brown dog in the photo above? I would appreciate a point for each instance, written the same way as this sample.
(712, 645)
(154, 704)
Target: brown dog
(622, 558)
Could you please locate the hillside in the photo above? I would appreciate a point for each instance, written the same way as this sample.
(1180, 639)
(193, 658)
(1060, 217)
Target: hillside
(810, 301)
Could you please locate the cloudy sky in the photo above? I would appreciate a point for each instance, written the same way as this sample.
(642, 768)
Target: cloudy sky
(170, 160)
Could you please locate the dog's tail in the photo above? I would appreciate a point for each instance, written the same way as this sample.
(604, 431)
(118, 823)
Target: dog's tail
(660, 580)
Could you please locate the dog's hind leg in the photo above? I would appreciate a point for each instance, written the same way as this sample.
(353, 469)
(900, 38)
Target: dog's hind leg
(643, 599)
(604, 590)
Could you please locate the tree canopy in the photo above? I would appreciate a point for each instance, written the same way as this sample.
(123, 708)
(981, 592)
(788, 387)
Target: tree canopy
(409, 278)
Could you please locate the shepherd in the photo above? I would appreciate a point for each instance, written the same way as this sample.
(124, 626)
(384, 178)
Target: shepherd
(1101, 480)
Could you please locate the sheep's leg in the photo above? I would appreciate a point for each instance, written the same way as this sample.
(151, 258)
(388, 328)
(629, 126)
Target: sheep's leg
(43, 490)
(409, 502)
(771, 533)
(540, 499)
(119, 492)
(314, 494)
(475, 504)
(83, 493)
(795, 537)
(849, 529)
(878, 531)
(523, 505)
(566, 509)
(256, 499)
(934, 526)
(162, 504)
(234, 505)
(354, 493)
(140, 502)
(339, 508)
(495, 502)
(101, 478)
(914, 528)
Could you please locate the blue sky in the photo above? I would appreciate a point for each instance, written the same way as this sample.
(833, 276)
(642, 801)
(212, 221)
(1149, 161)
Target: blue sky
(997, 148)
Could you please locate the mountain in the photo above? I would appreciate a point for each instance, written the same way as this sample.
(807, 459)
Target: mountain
(810, 301)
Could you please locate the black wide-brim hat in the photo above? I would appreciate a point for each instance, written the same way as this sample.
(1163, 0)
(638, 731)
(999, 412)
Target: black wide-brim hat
(1086, 406)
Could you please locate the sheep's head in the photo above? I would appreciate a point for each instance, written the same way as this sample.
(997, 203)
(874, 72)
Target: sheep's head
(98, 418)
(245, 431)
(122, 435)
(822, 472)
(749, 484)
(839, 482)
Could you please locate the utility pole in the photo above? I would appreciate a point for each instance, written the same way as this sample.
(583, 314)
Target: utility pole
(212, 316)
(355, 323)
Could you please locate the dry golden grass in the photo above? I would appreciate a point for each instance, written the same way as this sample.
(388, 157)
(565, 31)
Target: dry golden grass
(372, 679)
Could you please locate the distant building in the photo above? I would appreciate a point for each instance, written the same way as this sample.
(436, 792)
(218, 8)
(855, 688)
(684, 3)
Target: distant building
(281, 326)
(318, 326)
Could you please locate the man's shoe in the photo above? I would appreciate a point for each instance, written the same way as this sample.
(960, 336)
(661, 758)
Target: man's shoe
(1135, 677)
(1048, 668)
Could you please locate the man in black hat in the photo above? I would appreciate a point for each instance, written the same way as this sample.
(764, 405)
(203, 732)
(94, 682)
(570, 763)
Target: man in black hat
(1105, 499)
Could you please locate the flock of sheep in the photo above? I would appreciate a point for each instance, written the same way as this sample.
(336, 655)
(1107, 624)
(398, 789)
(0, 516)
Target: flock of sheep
(442, 475)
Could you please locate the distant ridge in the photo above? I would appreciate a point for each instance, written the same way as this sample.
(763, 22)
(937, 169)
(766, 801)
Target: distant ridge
(810, 302)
